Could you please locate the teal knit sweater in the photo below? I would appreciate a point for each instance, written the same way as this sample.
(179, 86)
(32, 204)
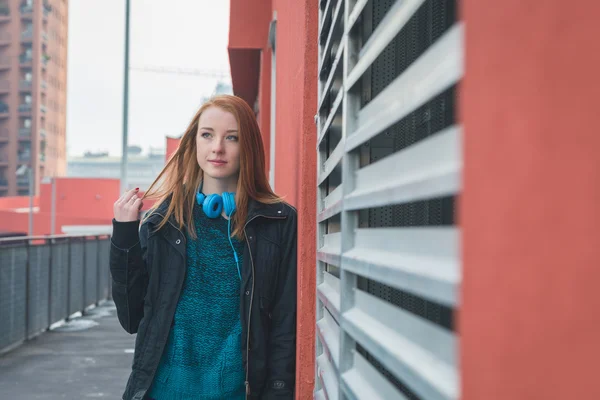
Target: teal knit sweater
(203, 357)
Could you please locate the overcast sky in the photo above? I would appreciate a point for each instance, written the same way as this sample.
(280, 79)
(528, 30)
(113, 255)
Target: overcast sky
(190, 34)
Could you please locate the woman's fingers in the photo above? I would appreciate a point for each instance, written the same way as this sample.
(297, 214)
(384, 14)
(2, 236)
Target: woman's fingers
(130, 194)
(127, 206)
(137, 204)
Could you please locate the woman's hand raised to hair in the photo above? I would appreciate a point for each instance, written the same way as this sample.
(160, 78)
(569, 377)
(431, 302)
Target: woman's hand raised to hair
(127, 207)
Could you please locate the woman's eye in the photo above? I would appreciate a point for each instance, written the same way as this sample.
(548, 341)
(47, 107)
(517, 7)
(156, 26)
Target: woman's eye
(205, 134)
(232, 138)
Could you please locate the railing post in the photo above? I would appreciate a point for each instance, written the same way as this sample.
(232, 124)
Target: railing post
(68, 278)
(84, 274)
(27, 273)
(97, 270)
(109, 281)
(50, 247)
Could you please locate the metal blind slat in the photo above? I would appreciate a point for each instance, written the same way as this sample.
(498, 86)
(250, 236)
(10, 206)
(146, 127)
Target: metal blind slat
(332, 205)
(328, 377)
(436, 70)
(329, 121)
(320, 395)
(331, 251)
(335, 69)
(332, 162)
(329, 333)
(423, 261)
(329, 294)
(415, 351)
(389, 27)
(430, 168)
(363, 381)
(334, 24)
(355, 14)
(325, 19)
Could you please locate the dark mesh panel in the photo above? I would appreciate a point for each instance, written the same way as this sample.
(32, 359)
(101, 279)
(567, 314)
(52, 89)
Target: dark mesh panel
(77, 276)
(39, 263)
(13, 265)
(427, 25)
(428, 119)
(103, 267)
(91, 272)
(60, 265)
(386, 373)
(437, 313)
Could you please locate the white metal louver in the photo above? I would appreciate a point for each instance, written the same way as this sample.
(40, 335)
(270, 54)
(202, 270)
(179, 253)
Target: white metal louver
(369, 347)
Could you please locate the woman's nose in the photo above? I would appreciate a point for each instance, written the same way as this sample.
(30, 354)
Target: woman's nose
(217, 146)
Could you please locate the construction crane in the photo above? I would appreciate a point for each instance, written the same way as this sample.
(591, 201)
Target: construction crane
(219, 74)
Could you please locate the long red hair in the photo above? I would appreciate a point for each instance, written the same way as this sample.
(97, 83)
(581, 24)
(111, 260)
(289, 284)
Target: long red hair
(181, 176)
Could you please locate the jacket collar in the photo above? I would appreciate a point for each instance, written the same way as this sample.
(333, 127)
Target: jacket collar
(255, 209)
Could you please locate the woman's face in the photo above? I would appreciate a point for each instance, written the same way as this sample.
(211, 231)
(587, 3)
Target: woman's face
(217, 144)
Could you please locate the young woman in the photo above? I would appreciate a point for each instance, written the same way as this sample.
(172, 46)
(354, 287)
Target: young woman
(208, 282)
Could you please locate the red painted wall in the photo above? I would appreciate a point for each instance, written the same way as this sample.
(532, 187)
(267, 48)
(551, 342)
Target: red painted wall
(530, 212)
(18, 223)
(82, 197)
(264, 98)
(295, 176)
(79, 201)
(295, 159)
(172, 145)
(17, 202)
(249, 23)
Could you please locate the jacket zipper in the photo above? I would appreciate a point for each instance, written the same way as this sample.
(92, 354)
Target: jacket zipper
(251, 301)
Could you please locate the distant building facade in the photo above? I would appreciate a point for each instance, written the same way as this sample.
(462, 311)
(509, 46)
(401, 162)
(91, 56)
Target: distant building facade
(33, 81)
(142, 170)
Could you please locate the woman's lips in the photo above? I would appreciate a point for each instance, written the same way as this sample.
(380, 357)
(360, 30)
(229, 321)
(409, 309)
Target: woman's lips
(217, 163)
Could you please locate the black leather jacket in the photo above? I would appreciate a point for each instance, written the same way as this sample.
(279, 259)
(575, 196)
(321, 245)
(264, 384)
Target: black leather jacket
(148, 269)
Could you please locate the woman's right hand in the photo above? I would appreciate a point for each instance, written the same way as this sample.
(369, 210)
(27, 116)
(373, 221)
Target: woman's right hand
(127, 207)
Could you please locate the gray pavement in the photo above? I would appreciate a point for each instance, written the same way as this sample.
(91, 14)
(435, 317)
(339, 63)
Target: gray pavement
(89, 358)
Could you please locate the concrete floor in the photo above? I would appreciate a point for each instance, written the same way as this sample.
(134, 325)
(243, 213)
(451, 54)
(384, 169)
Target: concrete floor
(89, 358)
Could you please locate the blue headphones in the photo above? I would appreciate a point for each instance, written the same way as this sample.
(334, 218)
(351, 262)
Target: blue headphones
(213, 206)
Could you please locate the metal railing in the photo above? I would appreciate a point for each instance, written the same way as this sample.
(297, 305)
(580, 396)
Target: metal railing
(44, 280)
(25, 9)
(27, 35)
(25, 59)
(389, 167)
(25, 84)
(24, 132)
(24, 108)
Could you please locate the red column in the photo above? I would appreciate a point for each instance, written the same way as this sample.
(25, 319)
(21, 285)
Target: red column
(296, 160)
(264, 101)
(530, 210)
